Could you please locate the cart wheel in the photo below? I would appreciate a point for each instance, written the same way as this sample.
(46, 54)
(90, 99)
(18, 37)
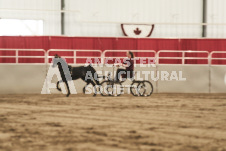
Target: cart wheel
(145, 88)
(141, 88)
(134, 88)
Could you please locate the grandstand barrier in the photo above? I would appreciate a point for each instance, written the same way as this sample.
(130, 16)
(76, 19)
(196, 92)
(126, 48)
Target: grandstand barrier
(22, 78)
(22, 70)
(192, 65)
(188, 79)
(204, 72)
(217, 62)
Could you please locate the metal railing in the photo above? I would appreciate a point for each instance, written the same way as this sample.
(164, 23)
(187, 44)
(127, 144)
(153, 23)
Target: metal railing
(182, 56)
(212, 58)
(74, 56)
(17, 56)
(151, 53)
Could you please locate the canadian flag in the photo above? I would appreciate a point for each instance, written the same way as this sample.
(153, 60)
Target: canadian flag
(137, 30)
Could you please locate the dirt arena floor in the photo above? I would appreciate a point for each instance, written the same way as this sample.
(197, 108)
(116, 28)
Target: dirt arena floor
(180, 122)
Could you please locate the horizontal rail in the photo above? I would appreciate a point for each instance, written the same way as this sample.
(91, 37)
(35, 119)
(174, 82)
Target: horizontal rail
(146, 51)
(82, 50)
(134, 51)
(17, 56)
(195, 58)
(211, 58)
(22, 56)
(183, 57)
(150, 23)
(41, 10)
(98, 54)
(75, 57)
(22, 49)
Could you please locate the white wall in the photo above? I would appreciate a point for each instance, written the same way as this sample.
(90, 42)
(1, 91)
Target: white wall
(119, 11)
(151, 11)
(216, 14)
(51, 19)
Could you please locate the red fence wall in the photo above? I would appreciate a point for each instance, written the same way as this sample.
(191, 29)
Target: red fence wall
(54, 42)
(103, 43)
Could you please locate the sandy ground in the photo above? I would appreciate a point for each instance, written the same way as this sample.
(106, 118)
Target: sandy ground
(181, 122)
